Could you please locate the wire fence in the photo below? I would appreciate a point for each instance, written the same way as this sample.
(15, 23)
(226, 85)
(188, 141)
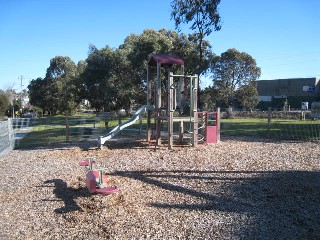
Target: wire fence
(282, 125)
(6, 136)
(50, 130)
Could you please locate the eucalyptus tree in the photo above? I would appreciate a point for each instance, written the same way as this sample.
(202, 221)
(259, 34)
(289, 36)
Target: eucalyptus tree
(231, 71)
(139, 48)
(115, 78)
(106, 79)
(61, 77)
(203, 16)
(186, 47)
(95, 78)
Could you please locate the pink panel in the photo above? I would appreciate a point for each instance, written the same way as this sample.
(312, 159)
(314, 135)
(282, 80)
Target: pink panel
(91, 182)
(107, 190)
(104, 177)
(165, 59)
(85, 162)
(211, 134)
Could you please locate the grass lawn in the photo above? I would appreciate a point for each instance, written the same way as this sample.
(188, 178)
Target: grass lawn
(83, 127)
(53, 130)
(279, 128)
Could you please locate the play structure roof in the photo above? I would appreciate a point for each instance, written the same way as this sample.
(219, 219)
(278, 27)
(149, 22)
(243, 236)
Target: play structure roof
(165, 59)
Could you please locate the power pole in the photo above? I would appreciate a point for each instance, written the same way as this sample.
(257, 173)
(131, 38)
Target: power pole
(21, 78)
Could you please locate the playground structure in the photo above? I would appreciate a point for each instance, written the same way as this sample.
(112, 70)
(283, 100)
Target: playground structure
(168, 100)
(96, 181)
(181, 92)
(137, 116)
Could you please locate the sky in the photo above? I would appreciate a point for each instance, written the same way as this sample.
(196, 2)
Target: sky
(283, 36)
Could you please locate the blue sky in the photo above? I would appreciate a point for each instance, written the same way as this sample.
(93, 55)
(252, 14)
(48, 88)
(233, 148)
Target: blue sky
(282, 35)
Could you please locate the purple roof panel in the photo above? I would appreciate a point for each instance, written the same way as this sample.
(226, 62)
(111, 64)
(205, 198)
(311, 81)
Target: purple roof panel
(164, 59)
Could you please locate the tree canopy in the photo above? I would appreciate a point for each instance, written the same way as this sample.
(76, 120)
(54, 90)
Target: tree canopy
(57, 92)
(203, 16)
(232, 70)
(114, 78)
(247, 97)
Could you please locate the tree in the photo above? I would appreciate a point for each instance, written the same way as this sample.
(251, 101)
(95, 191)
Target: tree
(58, 91)
(209, 98)
(185, 46)
(139, 47)
(61, 76)
(232, 70)
(39, 94)
(79, 88)
(203, 16)
(4, 103)
(96, 79)
(247, 96)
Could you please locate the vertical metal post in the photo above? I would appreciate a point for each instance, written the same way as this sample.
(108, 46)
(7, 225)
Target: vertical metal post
(170, 110)
(140, 125)
(119, 121)
(180, 91)
(218, 124)
(67, 126)
(181, 131)
(269, 121)
(11, 134)
(149, 96)
(194, 97)
(158, 105)
(100, 177)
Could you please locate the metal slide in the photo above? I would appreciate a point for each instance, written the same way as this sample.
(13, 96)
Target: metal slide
(132, 120)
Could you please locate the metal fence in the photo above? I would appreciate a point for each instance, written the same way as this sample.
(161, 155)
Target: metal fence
(6, 137)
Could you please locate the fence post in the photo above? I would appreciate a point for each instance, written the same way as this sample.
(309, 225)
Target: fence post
(269, 121)
(218, 124)
(10, 134)
(119, 122)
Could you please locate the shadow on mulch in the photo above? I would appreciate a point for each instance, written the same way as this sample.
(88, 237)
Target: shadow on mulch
(279, 204)
(67, 195)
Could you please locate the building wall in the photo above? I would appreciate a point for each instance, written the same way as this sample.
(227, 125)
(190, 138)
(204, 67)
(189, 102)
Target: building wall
(295, 90)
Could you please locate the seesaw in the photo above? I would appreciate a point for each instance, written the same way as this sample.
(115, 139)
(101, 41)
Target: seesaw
(96, 181)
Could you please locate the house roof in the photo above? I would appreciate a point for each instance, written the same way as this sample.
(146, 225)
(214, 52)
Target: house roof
(164, 59)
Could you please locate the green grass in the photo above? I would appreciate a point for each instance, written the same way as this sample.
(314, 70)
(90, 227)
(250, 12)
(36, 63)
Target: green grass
(244, 127)
(53, 130)
(282, 129)
(83, 127)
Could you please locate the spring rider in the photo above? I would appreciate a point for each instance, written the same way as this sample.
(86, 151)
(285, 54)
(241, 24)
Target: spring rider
(96, 181)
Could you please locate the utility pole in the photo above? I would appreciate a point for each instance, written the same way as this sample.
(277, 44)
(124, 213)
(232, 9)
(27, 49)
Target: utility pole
(21, 78)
